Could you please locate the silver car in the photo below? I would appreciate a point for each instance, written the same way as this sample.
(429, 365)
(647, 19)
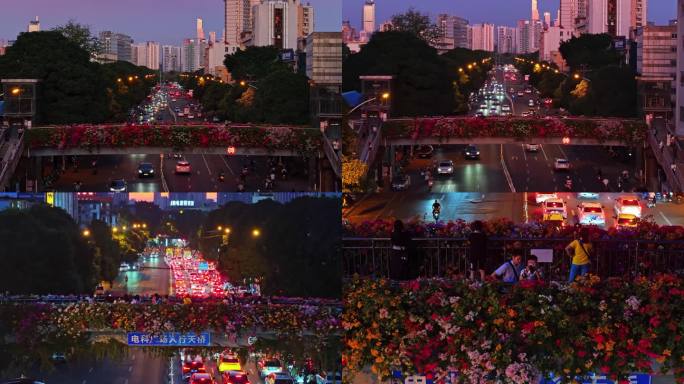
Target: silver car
(445, 167)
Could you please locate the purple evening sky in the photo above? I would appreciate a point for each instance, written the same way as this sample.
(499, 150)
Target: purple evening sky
(499, 12)
(166, 21)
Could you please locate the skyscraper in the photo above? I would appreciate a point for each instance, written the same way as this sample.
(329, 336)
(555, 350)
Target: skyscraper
(34, 25)
(613, 17)
(535, 11)
(116, 46)
(506, 39)
(482, 37)
(275, 23)
(454, 31)
(171, 58)
(369, 17)
(305, 20)
(568, 13)
(237, 21)
(200, 29)
(547, 19)
(152, 58)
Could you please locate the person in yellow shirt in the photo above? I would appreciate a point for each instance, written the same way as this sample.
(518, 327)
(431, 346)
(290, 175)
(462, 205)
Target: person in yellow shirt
(580, 250)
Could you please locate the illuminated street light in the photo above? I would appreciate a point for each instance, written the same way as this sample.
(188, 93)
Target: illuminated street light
(115, 229)
(470, 66)
(226, 231)
(219, 228)
(86, 233)
(385, 96)
(130, 78)
(576, 76)
(144, 225)
(256, 232)
(460, 69)
(15, 91)
(123, 228)
(119, 80)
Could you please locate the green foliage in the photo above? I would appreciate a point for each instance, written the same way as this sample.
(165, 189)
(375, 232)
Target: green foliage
(416, 23)
(80, 34)
(272, 92)
(109, 251)
(43, 251)
(297, 251)
(126, 94)
(590, 51)
(254, 63)
(423, 83)
(283, 96)
(72, 89)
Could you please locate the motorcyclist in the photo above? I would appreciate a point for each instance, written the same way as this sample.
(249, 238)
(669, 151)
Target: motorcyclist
(436, 206)
(568, 183)
(222, 176)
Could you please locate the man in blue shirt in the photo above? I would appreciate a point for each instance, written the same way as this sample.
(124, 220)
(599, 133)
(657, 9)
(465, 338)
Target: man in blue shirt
(509, 272)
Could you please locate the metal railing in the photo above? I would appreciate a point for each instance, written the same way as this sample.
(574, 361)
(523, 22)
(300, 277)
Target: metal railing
(443, 257)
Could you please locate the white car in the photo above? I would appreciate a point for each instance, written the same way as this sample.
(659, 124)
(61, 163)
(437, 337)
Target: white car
(627, 205)
(561, 164)
(554, 205)
(532, 147)
(445, 167)
(542, 197)
(530, 103)
(505, 108)
(589, 213)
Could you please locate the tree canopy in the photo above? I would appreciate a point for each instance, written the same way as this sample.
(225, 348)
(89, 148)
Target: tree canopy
(416, 23)
(425, 83)
(80, 34)
(590, 51)
(296, 252)
(71, 88)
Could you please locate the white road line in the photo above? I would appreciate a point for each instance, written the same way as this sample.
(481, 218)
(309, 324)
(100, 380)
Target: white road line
(206, 164)
(130, 369)
(543, 152)
(90, 370)
(523, 151)
(562, 152)
(525, 210)
(165, 187)
(227, 166)
(509, 180)
(665, 218)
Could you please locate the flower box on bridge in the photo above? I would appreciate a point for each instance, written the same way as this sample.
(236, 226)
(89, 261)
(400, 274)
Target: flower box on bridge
(506, 130)
(246, 139)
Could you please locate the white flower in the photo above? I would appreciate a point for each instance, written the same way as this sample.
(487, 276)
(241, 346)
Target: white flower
(633, 302)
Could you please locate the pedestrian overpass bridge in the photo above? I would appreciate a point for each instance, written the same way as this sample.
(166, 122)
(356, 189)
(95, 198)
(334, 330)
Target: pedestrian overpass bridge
(117, 139)
(513, 130)
(230, 324)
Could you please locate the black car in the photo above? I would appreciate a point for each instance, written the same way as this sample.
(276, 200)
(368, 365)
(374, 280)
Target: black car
(425, 151)
(471, 152)
(118, 185)
(401, 183)
(145, 170)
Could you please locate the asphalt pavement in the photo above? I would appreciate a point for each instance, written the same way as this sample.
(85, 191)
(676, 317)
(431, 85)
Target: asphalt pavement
(519, 207)
(153, 277)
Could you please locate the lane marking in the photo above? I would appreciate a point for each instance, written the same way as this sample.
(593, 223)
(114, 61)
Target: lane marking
(509, 180)
(665, 218)
(130, 369)
(524, 154)
(525, 209)
(543, 152)
(227, 166)
(165, 187)
(90, 370)
(206, 164)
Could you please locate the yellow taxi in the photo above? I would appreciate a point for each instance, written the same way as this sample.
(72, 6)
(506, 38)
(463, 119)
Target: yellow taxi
(228, 362)
(626, 220)
(554, 218)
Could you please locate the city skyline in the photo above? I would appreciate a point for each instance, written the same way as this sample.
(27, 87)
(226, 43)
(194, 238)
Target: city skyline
(177, 17)
(507, 12)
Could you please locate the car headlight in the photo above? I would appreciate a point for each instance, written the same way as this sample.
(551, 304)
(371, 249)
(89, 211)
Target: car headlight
(478, 152)
(139, 170)
(151, 170)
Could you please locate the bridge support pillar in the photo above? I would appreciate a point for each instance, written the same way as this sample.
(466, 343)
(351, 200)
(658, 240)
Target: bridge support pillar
(313, 173)
(652, 172)
(36, 173)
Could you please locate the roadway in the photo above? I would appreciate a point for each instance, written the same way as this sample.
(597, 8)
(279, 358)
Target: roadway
(518, 207)
(154, 276)
(509, 168)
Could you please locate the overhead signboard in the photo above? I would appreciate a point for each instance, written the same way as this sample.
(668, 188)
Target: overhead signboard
(169, 339)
